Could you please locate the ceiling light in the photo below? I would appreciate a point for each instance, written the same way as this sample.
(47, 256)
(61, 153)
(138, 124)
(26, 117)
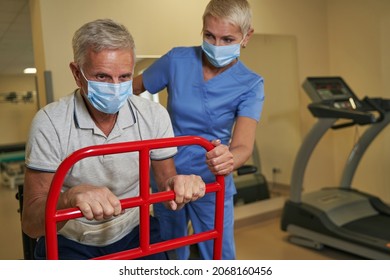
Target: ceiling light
(30, 71)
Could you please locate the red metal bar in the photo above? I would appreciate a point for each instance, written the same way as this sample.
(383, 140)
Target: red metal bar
(144, 200)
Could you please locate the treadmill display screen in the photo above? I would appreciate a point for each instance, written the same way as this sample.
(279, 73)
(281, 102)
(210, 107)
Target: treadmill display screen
(332, 90)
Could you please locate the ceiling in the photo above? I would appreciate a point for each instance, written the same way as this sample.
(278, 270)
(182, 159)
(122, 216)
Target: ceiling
(16, 48)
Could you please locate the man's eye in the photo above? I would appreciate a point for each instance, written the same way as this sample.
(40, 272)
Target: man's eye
(126, 77)
(101, 77)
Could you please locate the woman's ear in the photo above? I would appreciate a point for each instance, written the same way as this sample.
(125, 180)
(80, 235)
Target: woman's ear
(247, 37)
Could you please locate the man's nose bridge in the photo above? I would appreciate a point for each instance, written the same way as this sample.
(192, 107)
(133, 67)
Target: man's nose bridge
(115, 80)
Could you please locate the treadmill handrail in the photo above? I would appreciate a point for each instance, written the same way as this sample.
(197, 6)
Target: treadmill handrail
(360, 148)
(371, 102)
(304, 153)
(324, 110)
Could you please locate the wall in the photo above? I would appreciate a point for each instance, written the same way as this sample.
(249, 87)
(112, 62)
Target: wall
(307, 21)
(15, 117)
(158, 25)
(274, 57)
(153, 24)
(359, 43)
(333, 37)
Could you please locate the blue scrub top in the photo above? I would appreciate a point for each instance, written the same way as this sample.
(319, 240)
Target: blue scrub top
(204, 108)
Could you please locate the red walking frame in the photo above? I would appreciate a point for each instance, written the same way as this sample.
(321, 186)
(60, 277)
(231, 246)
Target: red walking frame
(144, 200)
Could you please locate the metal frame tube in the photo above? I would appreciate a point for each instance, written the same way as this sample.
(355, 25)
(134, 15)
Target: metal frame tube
(144, 200)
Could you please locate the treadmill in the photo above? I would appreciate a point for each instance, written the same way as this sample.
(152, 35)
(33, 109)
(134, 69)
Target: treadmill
(250, 183)
(340, 217)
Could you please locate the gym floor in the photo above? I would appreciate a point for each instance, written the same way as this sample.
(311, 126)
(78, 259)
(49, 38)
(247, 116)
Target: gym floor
(257, 238)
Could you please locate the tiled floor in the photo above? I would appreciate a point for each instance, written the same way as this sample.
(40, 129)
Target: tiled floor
(265, 241)
(262, 240)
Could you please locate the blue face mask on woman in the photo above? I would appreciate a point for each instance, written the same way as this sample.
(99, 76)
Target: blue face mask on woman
(220, 56)
(108, 97)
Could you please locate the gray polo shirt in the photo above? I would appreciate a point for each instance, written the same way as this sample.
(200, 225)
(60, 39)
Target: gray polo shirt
(65, 126)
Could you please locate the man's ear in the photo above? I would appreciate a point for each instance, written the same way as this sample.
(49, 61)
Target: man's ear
(76, 73)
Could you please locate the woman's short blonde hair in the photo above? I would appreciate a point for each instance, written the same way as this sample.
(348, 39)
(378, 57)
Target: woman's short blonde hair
(237, 12)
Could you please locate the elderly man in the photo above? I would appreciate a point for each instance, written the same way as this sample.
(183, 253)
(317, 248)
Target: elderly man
(101, 110)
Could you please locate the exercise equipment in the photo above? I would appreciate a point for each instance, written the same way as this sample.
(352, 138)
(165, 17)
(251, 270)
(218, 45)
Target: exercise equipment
(12, 165)
(143, 201)
(12, 176)
(340, 217)
(250, 183)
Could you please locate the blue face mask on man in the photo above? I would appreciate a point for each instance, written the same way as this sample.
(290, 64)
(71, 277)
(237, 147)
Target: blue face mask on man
(108, 97)
(220, 56)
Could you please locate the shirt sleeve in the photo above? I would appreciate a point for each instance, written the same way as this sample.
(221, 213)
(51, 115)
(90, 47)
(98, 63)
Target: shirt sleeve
(41, 151)
(251, 105)
(156, 76)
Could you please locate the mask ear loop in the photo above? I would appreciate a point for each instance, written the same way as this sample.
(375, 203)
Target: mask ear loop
(82, 73)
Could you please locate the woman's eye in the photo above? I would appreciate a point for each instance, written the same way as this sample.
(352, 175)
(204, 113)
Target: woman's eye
(208, 36)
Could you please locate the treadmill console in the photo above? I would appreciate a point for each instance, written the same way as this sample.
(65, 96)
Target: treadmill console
(333, 91)
(333, 98)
